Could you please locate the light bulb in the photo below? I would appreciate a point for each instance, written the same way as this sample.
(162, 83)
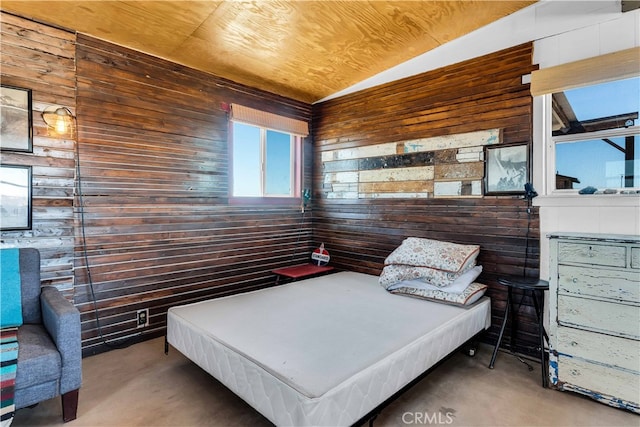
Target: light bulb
(61, 120)
(61, 126)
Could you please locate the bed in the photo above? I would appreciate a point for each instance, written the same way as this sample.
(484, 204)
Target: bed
(322, 351)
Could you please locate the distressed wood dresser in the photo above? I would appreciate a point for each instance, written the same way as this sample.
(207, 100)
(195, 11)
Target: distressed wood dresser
(594, 326)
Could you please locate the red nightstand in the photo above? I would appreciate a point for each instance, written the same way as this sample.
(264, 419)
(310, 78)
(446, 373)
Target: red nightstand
(300, 271)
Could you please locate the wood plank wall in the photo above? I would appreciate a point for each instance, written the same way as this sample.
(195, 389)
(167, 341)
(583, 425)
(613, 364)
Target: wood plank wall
(154, 172)
(42, 59)
(153, 163)
(152, 142)
(479, 94)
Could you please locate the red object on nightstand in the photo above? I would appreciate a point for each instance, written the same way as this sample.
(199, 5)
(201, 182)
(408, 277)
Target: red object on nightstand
(300, 271)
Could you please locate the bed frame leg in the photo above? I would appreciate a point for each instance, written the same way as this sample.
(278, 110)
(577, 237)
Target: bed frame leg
(470, 348)
(166, 345)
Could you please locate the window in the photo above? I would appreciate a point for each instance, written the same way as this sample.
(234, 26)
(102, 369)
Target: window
(595, 137)
(264, 162)
(266, 151)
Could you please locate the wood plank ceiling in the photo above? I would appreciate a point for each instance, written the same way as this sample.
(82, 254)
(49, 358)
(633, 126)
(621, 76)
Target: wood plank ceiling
(305, 50)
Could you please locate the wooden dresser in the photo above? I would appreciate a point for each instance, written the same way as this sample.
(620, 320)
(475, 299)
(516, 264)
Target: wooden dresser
(594, 322)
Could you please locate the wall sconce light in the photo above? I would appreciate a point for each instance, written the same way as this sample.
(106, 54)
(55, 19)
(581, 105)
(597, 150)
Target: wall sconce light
(58, 118)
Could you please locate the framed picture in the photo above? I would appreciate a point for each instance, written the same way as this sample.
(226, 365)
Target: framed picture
(15, 197)
(16, 119)
(507, 169)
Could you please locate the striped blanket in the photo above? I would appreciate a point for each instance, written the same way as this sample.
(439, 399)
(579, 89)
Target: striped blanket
(8, 364)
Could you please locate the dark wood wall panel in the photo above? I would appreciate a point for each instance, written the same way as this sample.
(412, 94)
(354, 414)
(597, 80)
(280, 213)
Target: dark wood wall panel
(154, 175)
(482, 93)
(153, 218)
(42, 59)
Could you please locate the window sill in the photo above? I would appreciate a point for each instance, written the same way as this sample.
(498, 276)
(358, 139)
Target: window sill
(588, 200)
(269, 201)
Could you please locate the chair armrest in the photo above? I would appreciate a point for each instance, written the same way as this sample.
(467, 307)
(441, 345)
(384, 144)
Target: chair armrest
(62, 320)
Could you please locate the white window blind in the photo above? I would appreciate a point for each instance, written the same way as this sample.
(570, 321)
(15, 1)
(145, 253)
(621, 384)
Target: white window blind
(600, 69)
(269, 120)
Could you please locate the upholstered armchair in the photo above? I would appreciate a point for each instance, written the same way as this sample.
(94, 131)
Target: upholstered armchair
(50, 353)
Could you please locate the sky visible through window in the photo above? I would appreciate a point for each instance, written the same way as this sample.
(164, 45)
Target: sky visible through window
(606, 99)
(247, 162)
(595, 162)
(278, 155)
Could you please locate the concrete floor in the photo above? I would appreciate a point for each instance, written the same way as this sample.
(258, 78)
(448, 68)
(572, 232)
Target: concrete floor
(140, 386)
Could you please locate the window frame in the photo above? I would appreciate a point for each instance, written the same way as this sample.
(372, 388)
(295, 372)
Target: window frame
(550, 141)
(599, 68)
(296, 169)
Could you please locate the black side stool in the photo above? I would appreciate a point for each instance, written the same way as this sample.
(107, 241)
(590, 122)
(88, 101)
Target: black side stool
(537, 288)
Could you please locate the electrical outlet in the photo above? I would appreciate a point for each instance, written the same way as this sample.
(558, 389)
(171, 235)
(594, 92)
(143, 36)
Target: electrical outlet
(143, 318)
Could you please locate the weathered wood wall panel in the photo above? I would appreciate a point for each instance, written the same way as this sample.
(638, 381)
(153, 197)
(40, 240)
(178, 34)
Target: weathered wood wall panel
(443, 166)
(154, 176)
(42, 59)
(480, 94)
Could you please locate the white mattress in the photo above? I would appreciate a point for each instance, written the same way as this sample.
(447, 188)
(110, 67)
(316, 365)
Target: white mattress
(323, 351)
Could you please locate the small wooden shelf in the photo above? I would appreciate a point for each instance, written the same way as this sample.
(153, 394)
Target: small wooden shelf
(300, 271)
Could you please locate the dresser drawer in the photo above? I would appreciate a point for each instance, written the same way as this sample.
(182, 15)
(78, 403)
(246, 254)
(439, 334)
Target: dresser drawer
(600, 316)
(605, 349)
(616, 285)
(635, 258)
(592, 254)
(600, 379)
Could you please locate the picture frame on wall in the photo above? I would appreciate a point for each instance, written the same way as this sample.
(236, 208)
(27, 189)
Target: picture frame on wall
(16, 119)
(506, 169)
(15, 197)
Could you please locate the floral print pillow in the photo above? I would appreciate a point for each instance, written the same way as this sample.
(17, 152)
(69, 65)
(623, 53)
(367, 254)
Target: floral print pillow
(434, 254)
(471, 294)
